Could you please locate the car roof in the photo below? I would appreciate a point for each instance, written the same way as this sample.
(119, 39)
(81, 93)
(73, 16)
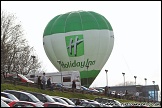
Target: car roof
(35, 93)
(4, 98)
(26, 102)
(58, 103)
(5, 92)
(18, 91)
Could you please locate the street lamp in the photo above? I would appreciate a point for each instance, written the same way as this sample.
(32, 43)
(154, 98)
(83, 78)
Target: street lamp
(135, 79)
(59, 61)
(124, 78)
(145, 85)
(106, 78)
(33, 58)
(33, 62)
(145, 80)
(87, 76)
(154, 89)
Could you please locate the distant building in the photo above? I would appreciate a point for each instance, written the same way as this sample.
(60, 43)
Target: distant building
(145, 91)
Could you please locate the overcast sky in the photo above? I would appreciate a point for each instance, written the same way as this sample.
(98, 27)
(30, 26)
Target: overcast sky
(137, 35)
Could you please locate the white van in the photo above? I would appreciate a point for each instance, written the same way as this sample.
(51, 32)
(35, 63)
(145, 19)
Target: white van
(64, 77)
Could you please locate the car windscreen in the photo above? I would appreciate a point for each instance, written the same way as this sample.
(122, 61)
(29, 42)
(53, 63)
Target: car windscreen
(11, 96)
(33, 98)
(49, 98)
(68, 101)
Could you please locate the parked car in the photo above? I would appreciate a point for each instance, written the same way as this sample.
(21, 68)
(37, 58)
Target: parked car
(24, 96)
(75, 99)
(93, 90)
(114, 103)
(99, 99)
(56, 104)
(68, 101)
(101, 90)
(24, 79)
(24, 104)
(7, 100)
(18, 77)
(58, 99)
(4, 104)
(9, 95)
(93, 104)
(84, 89)
(89, 100)
(107, 101)
(42, 97)
(84, 104)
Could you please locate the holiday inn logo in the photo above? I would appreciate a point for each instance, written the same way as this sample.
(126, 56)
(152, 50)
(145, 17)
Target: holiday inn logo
(75, 45)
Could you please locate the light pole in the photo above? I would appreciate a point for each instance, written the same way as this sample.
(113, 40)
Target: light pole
(145, 81)
(106, 78)
(154, 89)
(124, 78)
(87, 76)
(145, 85)
(59, 61)
(135, 79)
(33, 58)
(33, 61)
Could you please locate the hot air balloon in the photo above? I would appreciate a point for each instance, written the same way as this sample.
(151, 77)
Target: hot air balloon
(81, 41)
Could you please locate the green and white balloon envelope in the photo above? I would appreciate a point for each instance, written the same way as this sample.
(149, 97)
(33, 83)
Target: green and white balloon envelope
(79, 39)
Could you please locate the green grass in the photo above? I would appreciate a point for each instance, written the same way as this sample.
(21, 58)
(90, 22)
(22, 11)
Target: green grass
(5, 86)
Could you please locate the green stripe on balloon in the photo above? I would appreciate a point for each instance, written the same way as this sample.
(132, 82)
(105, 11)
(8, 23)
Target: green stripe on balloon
(76, 21)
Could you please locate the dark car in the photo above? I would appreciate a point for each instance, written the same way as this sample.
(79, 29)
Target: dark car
(9, 95)
(68, 101)
(84, 104)
(42, 97)
(74, 100)
(56, 104)
(24, 96)
(57, 99)
(24, 104)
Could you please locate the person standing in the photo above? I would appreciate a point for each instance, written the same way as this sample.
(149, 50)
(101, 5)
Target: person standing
(39, 81)
(137, 95)
(44, 80)
(49, 84)
(73, 85)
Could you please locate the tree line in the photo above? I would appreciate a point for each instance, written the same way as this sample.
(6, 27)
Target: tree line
(17, 57)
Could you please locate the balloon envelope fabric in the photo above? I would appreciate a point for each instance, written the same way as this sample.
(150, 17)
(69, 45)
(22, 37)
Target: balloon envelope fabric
(81, 41)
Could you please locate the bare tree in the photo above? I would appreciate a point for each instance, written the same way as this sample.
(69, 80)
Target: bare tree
(16, 54)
